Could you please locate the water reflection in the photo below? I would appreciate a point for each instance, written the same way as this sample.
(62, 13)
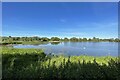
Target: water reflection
(77, 48)
(55, 43)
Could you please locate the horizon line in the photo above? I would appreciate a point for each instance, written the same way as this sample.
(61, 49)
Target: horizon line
(63, 37)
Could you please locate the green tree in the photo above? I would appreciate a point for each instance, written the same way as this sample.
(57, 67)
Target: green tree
(74, 39)
(10, 40)
(55, 39)
(66, 39)
(84, 39)
(89, 39)
(95, 39)
(45, 39)
(117, 40)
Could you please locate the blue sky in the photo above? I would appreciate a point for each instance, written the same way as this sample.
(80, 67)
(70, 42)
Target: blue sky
(91, 19)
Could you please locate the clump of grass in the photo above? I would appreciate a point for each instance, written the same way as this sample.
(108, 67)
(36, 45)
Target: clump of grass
(33, 63)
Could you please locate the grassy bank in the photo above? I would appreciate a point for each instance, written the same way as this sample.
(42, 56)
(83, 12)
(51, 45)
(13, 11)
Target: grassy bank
(24, 42)
(34, 42)
(7, 43)
(33, 63)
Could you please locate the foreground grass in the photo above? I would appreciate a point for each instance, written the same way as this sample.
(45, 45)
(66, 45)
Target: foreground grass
(33, 63)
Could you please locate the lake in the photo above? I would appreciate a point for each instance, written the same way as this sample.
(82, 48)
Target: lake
(77, 48)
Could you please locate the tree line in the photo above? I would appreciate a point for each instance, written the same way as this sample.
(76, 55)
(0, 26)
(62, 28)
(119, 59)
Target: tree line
(44, 39)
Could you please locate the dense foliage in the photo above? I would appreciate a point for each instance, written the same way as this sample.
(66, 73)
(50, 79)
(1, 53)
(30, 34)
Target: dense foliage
(37, 40)
(33, 63)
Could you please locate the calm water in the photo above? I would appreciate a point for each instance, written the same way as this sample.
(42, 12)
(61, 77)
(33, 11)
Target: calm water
(77, 48)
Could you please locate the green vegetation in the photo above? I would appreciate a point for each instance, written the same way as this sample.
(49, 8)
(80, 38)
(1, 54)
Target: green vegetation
(13, 42)
(55, 39)
(34, 42)
(39, 40)
(34, 63)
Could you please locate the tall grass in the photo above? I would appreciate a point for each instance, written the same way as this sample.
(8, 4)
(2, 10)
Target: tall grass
(33, 63)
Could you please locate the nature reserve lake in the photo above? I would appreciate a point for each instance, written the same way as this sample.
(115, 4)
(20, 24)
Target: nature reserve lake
(77, 48)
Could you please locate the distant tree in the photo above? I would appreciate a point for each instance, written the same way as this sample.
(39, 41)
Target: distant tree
(84, 39)
(111, 40)
(95, 39)
(45, 39)
(10, 36)
(10, 39)
(117, 40)
(89, 39)
(66, 39)
(0, 39)
(55, 39)
(80, 39)
(74, 39)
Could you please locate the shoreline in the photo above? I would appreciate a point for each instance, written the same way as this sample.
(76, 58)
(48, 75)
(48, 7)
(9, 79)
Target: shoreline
(55, 41)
